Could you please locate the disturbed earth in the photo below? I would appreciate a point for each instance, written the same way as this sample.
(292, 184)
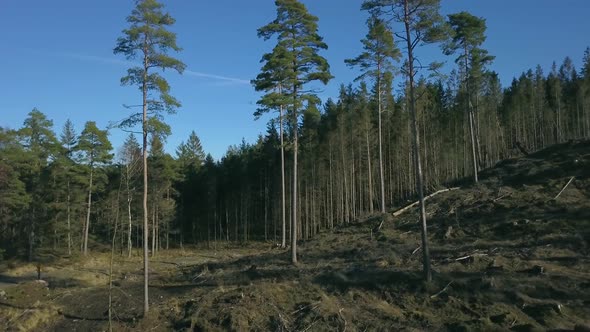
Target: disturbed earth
(508, 254)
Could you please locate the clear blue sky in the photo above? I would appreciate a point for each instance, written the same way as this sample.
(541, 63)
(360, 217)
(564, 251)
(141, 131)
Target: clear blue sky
(57, 56)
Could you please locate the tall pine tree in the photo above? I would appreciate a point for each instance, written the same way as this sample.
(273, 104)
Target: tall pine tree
(468, 33)
(376, 62)
(148, 39)
(422, 23)
(297, 59)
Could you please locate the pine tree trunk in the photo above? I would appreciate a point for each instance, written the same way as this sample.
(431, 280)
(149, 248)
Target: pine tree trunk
(379, 111)
(146, 233)
(89, 206)
(473, 146)
(154, 229)
(129, 217)
(471, 118)
(112, 259)
(369, 176)
(418, 166)
(294, 207)
(69, 220)
(331, 206)
(265, 199)
(345, 191)
(283, 203)
(32, 235)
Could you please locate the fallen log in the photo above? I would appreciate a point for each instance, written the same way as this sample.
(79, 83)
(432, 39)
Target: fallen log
(499, 198)
(562, 189)
(404, 209)
(442, 291)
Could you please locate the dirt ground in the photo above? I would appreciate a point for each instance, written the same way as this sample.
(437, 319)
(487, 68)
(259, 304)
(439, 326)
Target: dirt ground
(506, 256)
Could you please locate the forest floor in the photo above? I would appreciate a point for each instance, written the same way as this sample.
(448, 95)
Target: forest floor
(506, 256)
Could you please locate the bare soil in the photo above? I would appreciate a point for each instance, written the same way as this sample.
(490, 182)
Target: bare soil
(506, 256)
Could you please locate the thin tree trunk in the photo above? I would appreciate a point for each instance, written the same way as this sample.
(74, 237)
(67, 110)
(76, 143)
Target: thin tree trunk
(283, 203)
(129, 216)
(473, 147)
(419, 180)
(370, 176)
(111, 262)
(69, 220)
(154, 229)
(471, 119)
(265, 208)
(331, 206)
(87, 225)
(294, 207)
(146, 233)
(32, 235)
(379, 110)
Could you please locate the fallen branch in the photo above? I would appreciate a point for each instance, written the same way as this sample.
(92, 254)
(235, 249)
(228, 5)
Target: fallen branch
(312, 305)
(283, 321)
(442, 291)
(465, 256)
(416, 250)
(513, 322)
(344, 319)
(499, 198)
(17, 317)
(402, 210)
(468, 256)
(307, 329)
(562, 189)
(199, 275)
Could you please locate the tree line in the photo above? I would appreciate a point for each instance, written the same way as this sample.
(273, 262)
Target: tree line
(400, 130)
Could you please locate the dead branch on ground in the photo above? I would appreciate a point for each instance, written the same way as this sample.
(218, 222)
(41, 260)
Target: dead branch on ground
(342, 317)
(380, 225)
(468, 256)
(416, 250)
(562, 189)
(499, 198)
(442, 291)
(404, 209)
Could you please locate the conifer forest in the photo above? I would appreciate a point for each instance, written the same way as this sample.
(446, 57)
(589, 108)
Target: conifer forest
(421, 197)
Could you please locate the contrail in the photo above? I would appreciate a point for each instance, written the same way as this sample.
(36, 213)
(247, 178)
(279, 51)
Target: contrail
(216, 77)
(115, 61)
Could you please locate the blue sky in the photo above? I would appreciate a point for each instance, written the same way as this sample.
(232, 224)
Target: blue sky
(57, 56)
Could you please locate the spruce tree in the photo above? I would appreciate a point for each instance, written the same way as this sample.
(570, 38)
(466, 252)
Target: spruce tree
(69, 141)
(191, 153)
